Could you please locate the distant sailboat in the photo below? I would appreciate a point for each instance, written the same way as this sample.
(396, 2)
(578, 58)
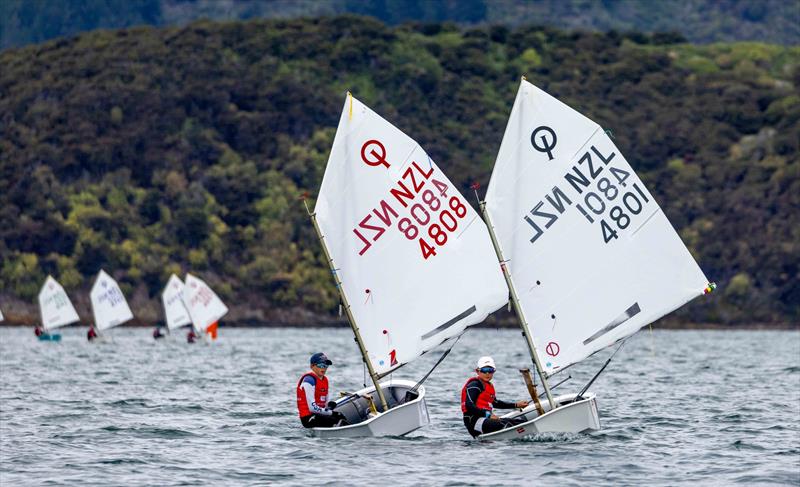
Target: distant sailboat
(412, 261)
(204, 306)
(1, 316)
(109, 306)
(589, 256)
(175, 313)
(55, 308)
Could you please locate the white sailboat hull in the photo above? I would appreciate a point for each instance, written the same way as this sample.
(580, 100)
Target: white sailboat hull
(401, 419)
(572, 417)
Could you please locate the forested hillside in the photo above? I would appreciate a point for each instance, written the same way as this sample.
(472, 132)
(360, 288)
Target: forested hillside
(151, 151)
(700, 21)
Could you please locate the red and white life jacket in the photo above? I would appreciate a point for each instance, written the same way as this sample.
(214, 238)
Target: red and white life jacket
(320, 394)
(485, 399)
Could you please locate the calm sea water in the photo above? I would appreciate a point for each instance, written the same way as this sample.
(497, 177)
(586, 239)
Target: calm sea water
(676, 407)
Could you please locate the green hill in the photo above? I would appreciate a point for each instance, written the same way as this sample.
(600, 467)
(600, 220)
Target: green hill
(151, 151)
(700, 21)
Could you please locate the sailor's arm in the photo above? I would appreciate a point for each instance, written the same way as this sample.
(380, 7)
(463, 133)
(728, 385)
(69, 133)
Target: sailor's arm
(509, 405)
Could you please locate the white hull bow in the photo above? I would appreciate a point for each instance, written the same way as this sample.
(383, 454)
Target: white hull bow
(570, 417)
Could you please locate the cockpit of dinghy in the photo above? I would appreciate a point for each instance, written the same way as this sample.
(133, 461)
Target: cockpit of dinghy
(357, 408)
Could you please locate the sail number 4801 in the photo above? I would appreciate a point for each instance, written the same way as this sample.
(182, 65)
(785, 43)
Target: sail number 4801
(604, 197)
(445, 220)
(619, 217)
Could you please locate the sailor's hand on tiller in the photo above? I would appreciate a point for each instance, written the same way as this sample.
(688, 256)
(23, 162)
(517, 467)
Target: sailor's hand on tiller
(522, 404)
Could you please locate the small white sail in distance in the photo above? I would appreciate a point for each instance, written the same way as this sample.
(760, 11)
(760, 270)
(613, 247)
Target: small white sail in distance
(54, 305)
(591, 255)
(203, 305)
(175, 312)
(415, 260)
(109, 306)
(1, 316)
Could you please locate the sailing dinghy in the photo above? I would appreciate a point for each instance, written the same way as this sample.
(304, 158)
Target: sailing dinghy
(204, 306)
(412, 261)
(55, 308)
(109, 306)
(175, 313)
(1, 316)
(588, 255)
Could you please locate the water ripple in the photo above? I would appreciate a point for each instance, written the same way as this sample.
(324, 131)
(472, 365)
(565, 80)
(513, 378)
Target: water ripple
(677, 407)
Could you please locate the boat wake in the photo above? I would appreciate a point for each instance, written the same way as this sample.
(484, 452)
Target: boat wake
(550, 438)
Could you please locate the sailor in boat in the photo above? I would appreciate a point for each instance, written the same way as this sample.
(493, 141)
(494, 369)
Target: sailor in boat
(157, 332)
(190, 337)
(44, 336)
(92, 333)
(312, 395)
(478, 401)
(211, 331)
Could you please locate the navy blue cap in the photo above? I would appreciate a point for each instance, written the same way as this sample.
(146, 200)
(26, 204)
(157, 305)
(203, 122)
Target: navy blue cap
(320, 358)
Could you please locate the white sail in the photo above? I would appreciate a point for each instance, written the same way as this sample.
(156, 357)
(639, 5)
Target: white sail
(172, 297)
(1, 316)
(203, 305)
(54, 305)
(591, 254)
(108, 303)
(415, 260)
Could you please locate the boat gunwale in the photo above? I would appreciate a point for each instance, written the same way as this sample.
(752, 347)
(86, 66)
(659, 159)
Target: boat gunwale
(367, 421)
(587, 397)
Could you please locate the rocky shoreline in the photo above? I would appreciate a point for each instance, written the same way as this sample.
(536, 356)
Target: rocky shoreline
(147, 312)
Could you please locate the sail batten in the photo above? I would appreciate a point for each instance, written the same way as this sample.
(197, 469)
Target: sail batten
(450, 322)
(415, 262)
(592, 256)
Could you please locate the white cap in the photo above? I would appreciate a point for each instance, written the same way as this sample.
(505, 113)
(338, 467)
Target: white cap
(486, 362)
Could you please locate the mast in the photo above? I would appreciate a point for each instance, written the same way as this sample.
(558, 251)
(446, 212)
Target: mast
(94, 312)
(523, 323)
(346, 305)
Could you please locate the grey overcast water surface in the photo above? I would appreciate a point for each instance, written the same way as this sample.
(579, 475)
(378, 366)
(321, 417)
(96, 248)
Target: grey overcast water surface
(677, 407)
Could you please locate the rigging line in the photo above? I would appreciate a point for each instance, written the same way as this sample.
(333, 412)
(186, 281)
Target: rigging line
(589, 384)
(413, 391)
(553, 387)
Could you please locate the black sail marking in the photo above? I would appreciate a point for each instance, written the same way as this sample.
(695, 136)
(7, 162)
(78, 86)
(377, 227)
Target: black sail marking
(450, 322)
(629, 313)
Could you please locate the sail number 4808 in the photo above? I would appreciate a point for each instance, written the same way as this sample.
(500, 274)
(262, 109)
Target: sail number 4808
(445, 220)
(429, 216)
